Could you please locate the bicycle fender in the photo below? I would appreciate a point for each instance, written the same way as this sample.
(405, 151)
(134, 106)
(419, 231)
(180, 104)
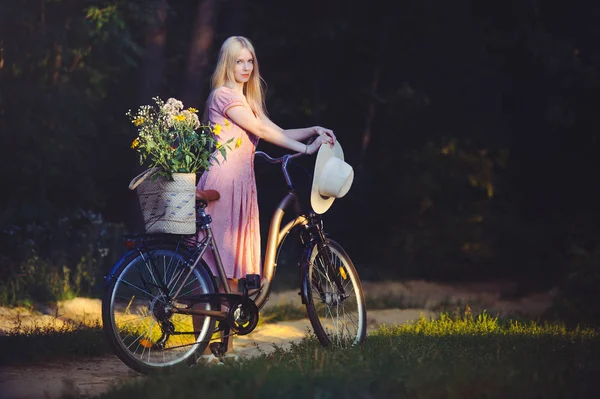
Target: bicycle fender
(110, 276)
(304, 284)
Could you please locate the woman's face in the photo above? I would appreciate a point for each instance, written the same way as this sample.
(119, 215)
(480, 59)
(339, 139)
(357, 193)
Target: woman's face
(244, 66)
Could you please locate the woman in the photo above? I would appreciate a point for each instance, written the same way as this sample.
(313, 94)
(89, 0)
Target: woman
(235, 108)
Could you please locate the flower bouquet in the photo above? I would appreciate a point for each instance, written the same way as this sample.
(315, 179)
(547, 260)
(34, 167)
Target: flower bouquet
(175, 146)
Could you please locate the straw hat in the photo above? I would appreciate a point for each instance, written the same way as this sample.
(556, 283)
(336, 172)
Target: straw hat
(332, 177)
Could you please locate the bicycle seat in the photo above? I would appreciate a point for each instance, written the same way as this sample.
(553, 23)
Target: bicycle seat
(207, 195)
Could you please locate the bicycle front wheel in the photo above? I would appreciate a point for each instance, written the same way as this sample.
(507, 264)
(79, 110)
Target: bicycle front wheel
(138, 316)
(335, 300)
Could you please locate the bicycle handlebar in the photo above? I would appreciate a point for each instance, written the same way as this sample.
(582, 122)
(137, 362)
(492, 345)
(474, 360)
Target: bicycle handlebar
(284, 160)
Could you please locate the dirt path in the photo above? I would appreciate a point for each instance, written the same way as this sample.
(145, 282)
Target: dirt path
(89, 377)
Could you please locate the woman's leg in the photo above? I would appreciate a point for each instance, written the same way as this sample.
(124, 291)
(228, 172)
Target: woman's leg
(233, 287)
(197, 320)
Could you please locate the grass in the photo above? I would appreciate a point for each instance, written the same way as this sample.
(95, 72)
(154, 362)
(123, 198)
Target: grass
(33, 344)
(454, 356)
(282, 312)
(287, 311)
(23, 345)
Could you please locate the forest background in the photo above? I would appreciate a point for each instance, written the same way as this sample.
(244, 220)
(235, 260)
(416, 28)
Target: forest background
(472, 128)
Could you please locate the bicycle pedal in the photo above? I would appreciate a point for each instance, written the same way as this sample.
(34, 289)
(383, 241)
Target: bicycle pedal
(251, 282)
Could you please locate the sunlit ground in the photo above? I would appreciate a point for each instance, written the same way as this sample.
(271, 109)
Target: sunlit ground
(462, 355)
(455, 354)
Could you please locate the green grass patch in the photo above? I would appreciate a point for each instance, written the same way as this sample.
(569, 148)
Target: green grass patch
(282, 312)
(454, 356)
(23, 345)
(33, 344)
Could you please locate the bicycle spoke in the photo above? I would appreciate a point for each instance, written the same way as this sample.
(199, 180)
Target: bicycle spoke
(146, 331)
(150, 296)
(190, 290)
(180, 274)
(338, 318)
(168, 269)
(149, 268)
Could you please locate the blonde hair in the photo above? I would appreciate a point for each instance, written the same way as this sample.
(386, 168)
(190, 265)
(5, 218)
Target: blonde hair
(224, 71)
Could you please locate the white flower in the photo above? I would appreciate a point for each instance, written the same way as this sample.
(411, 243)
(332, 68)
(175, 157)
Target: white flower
(168, 109)
(191, 118)
(170, 118)
(176, 104)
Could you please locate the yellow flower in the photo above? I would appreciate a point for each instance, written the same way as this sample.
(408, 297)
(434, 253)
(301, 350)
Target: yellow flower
(139, 121)
(218, 145)
(193, 110)
(135, 143)
(227, 124)
(238, 142)
(179, 118)
(217, 129)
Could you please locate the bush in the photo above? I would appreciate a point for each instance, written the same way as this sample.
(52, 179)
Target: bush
(57, 260)
(578, 299)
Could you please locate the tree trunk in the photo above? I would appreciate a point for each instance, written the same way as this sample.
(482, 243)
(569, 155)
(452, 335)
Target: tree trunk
(150, 86)
(367, 133)
(154, 58)
(58, 57)
(1, 54)
(197, 66)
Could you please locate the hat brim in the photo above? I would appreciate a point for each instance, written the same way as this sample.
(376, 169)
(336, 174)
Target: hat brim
(319, 203)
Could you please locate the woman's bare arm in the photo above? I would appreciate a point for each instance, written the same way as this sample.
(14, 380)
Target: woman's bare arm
(272, 133)
(301, 133)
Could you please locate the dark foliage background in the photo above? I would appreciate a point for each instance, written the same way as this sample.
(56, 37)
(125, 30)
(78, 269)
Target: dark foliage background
(472, 126)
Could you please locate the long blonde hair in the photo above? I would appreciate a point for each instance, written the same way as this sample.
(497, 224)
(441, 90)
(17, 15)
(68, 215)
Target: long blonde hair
(224, 71)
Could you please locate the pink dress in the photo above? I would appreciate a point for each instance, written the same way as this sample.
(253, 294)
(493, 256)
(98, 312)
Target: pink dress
(235, 222)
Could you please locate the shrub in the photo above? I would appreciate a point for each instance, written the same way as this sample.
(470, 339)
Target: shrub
(57, 260)
(578, 299)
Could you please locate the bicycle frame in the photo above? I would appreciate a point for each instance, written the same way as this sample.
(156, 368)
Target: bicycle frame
(275, 239)
(168, 274)
(276, 236)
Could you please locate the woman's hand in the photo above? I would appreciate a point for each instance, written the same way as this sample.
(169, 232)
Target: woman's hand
(321, 131)
(316, 144)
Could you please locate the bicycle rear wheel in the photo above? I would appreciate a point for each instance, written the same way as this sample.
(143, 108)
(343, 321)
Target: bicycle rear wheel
(338, 317)
(137, 316)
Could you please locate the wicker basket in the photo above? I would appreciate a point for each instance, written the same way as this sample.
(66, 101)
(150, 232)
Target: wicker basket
(167, 206)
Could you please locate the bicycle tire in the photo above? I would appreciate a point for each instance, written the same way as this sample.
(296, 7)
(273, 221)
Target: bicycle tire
(132, 317)
(333, 324)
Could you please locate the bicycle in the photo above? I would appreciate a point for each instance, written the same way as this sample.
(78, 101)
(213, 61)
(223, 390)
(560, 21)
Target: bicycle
(161, 305)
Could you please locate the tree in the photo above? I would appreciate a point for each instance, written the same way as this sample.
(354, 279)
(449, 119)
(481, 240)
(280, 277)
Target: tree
(153, 61)
(197, 69)
(59, 65)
